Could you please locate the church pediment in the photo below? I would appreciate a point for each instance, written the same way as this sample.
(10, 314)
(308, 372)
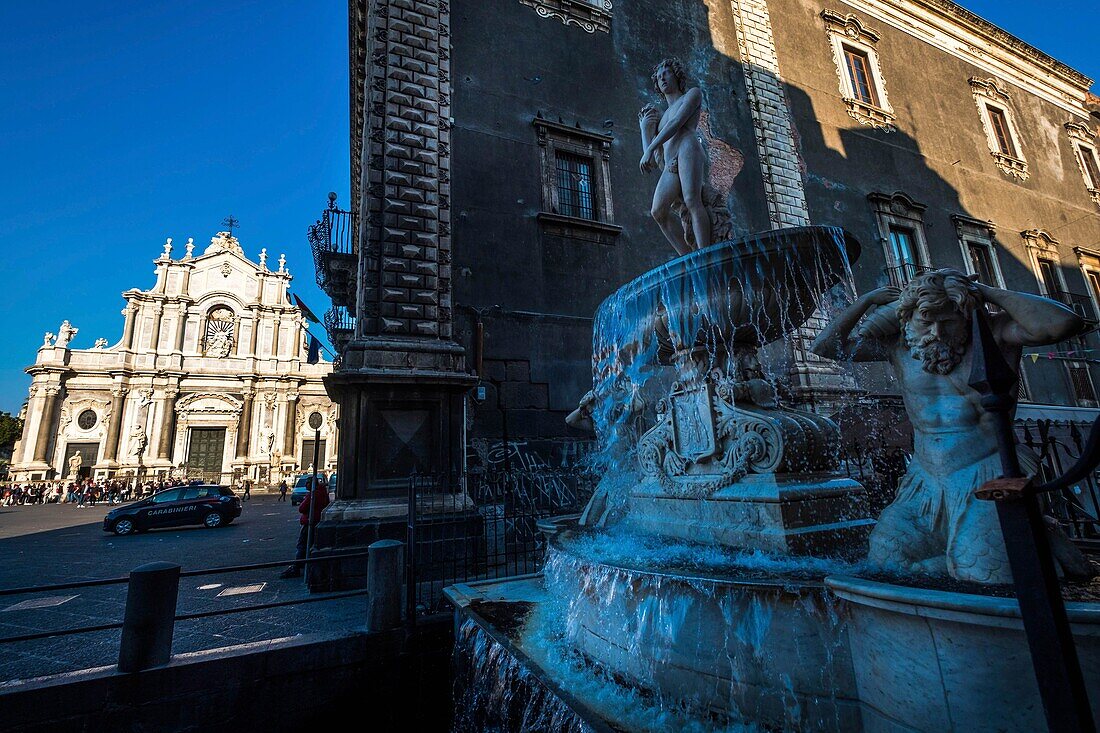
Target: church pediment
(209, 403)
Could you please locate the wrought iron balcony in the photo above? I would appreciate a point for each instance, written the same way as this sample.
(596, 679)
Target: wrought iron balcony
(901, 274)
(332, 239)
(340, 325)
(1081, 304)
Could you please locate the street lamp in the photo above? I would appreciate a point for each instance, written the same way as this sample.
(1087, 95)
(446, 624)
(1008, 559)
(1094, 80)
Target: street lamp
(315, 422)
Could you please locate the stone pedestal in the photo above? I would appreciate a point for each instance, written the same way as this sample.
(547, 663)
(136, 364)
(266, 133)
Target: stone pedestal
(725, 465)
(402, 412)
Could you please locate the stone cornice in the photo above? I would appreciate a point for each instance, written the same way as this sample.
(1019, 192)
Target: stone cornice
(965, 35)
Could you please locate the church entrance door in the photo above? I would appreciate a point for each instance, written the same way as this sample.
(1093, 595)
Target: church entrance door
(89, 454)
(204, 455)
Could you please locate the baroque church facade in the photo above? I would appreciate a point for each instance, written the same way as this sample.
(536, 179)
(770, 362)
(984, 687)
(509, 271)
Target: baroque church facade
(209, 380)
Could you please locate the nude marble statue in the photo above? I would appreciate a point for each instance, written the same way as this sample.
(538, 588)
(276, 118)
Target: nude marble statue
(935, 525)
(671, 143)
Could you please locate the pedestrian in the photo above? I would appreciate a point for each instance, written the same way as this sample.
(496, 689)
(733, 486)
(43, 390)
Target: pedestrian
(309, 514)
(282, 490)
(247, 489)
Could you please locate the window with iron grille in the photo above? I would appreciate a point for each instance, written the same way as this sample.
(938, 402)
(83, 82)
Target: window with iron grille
(576, 182)
(1083, 391)
(859, 73)
(575, 185)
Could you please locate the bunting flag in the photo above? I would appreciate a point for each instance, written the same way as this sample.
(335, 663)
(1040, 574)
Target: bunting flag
(314, 355)
(305, 310)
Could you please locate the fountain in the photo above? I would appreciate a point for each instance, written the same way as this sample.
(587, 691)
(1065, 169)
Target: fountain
(717, 578)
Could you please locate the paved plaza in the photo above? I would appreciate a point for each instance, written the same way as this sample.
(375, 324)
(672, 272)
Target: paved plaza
(42, 545)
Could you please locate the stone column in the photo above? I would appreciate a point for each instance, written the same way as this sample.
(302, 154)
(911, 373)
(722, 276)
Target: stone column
(46, 422)
(275, 337)
(236, 347)
(254, 338)
(181, 327)
(130, 311)
(114, 427)
(168, 424)
(243, 431)
(158, 315)
(289, 424)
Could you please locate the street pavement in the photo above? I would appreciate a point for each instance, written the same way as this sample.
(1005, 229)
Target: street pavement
(42, 545)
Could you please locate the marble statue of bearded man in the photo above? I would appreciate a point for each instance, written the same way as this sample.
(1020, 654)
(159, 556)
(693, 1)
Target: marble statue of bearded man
(935, 525)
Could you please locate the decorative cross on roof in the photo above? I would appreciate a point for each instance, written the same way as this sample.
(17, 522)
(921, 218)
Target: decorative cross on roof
(230, 222)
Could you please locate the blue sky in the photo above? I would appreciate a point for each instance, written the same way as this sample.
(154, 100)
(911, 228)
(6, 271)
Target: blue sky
(129, 121)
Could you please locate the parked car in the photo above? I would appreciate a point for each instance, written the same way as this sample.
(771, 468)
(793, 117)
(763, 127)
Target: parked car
(205, 504)
(301, 487)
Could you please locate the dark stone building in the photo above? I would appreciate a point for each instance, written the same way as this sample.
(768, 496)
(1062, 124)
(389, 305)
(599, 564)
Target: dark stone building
(498, 198)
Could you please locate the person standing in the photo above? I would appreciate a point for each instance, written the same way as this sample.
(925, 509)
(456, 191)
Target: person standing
(309, 514)
(247, 489)
(282, 490)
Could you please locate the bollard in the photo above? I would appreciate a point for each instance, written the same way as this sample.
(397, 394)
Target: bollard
(150, 617)
(385, 586)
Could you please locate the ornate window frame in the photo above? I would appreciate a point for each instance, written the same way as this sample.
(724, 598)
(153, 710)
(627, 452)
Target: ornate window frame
(553, 137)
(1082, 139)
(990, 93)
(588, 15)
(1041, 245)
(984, 233)
(848, 30)
(897, 209)
(1089, 262)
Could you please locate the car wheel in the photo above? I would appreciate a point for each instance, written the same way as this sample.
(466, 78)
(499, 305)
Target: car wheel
(124, 527)
(212, 520)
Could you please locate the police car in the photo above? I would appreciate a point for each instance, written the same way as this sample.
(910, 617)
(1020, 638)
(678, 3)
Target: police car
(205, 504)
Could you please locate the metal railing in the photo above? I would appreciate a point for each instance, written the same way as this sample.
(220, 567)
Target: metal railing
(1056, 445)
(1081, 304)
(899, 275)
(481, 526)
(332, 234)
(340, 325)
(138, 607)
(1059, 446)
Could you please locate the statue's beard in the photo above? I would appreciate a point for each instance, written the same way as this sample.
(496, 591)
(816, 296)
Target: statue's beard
(936, 355)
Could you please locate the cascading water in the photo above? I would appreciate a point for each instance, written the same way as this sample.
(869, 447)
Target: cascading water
(693, 598)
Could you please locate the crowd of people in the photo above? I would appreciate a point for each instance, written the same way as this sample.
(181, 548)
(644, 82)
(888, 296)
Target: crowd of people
(87, 492)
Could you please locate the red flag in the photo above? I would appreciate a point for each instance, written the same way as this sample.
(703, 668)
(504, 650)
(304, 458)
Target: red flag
(305, 309)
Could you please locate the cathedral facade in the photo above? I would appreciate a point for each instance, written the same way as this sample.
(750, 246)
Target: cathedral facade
(210, 380)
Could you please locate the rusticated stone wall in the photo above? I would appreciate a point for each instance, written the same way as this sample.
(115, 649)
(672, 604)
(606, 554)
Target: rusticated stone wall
(404, 266)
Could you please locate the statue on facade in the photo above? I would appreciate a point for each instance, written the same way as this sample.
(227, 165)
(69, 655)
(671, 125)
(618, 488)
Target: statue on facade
(138, 442)
(685, 207)
(47, 340)
(65, 335)
(100, 343)
(75, 461)
(935, 525)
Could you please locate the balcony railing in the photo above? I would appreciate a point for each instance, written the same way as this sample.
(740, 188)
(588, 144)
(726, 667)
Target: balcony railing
(899, 275)
(1081, 304)
(340, 324)
(332, 239)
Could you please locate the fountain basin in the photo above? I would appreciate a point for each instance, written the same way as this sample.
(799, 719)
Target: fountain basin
(767, 649)
(749, 291)
(931, 660)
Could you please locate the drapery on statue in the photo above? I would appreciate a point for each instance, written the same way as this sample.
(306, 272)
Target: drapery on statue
(671, 143)
(935, 525)
(75, 461)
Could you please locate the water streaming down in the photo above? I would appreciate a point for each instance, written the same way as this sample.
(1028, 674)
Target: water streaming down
(693, 599)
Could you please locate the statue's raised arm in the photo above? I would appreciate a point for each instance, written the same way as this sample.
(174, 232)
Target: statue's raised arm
(1030, 320)
(874, 339)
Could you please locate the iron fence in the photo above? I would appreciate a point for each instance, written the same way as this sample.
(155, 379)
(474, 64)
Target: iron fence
(1057, 445)
(482, 525)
